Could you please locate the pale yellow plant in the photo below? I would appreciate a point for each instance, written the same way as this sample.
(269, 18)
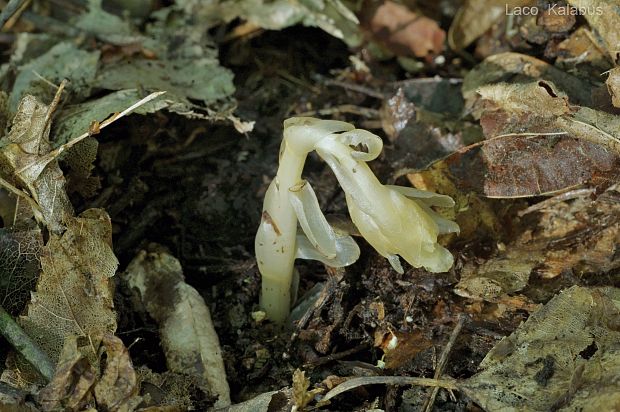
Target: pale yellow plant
(394, 220)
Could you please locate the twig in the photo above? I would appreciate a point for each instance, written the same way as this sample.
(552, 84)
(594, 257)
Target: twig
(571, 194)
(9, 10)
(24, 345)
(335, 356)
(446, 383)
(356, 88)
(345, 108)
(443, 360)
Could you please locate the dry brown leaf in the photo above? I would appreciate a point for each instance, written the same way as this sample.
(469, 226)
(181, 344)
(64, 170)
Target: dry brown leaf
(70, 388)
(613, 85)
(27, 141)
(76, 380)
(603, 16)
(476, 17)
(580, 235)
(188, 337)
(301, 395)
(521, 68)
(404, 32)
(408, 345)
(579, 48)
(74, 292)
(564, 357)
(536, 143)
(118, 386)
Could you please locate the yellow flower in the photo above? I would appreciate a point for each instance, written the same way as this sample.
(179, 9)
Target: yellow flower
(395, 220)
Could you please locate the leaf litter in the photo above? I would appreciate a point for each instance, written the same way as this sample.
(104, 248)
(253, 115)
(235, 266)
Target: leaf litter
(519, 125)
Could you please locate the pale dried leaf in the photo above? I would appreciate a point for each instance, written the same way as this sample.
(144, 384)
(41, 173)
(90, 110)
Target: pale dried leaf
(521, 68)
(540, 98)
(26, 142)
(564, 356)
(603, 16)
(188, 337)
(19, 266)
(476, 17)
(62, 61)
(74, 292)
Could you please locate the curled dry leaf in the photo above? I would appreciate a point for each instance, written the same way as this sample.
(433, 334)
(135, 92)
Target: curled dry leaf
(520, 68)
(70, 388)
(404, 32)
(76, 380)
(565, 356)
(117, 388)
(26, 142)
(74, 295)
(188, 337)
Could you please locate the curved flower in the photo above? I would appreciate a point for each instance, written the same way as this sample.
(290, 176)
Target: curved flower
(394, 220)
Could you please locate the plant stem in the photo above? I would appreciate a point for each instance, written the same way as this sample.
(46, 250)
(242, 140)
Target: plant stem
(276, 240)
(24, 345)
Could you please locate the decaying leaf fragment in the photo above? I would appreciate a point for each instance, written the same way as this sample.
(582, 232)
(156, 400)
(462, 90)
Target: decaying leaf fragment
(19, 266)
(613, 85)
(521, 68)
(581, 235)
(477, 16)
(74, 293)
(301, 395)
(603, 16)
(404, 32)
(564, 357)
(118, 386)
(537, 143)
(72, 382)
(26, 142)
(76, 383)
(188, 337)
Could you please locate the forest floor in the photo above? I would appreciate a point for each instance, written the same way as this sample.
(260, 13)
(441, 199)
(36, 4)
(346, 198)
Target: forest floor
(516, 117)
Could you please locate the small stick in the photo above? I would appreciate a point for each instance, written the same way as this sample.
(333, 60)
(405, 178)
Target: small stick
(356, 88)
(335, 356)
(389, 380)
(24, 345)
(443, 360)
(571, 194)
(9, 10)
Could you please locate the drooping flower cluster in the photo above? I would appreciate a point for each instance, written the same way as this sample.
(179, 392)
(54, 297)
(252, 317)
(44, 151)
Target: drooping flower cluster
(394, 220)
